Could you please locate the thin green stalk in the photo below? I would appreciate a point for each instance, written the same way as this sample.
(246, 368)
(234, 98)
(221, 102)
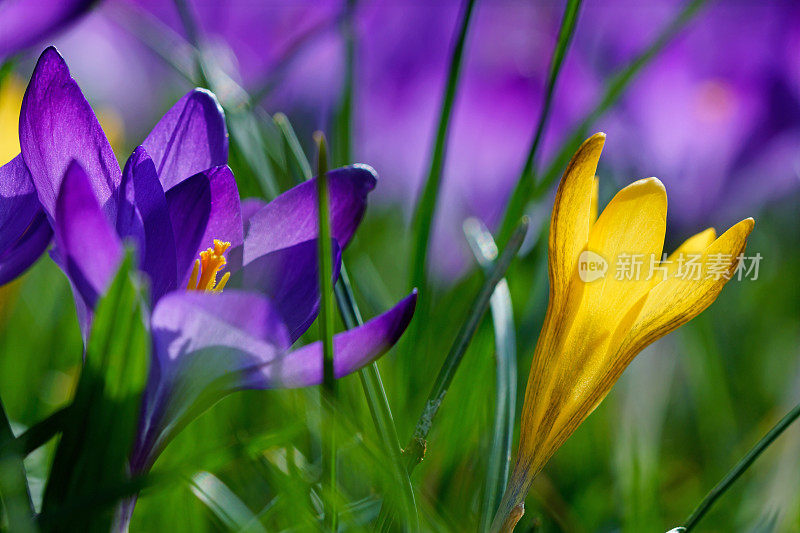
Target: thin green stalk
(614, 90)
(426, 203)
(484, 249)
(293, 143)
(14, 482)
(744, 463)
(326, 335)
(38, 434)
(370, 376)
(377, 401)
(415, 450)
(344, 116)
(524, 186)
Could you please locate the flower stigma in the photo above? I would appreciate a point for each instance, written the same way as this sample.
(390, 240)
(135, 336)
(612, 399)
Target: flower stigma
(204, 272)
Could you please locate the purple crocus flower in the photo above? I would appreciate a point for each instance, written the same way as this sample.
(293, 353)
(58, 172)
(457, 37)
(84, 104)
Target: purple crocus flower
(176, 201)
(717, 113)
(24, 23)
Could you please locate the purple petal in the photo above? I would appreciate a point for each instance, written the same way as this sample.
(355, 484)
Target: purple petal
(202, 342)
(250, 206)
(28, 248)
(144, 217)
(291, 218)
(24, 23)
(352, 350)
(290, 278)
(24, 230)
(89, 248)
(57, 126)
(203, 208)
(190, 138)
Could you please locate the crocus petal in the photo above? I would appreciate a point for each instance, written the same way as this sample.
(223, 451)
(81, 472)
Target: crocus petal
(250, 206)
(189, 138)
(290, 278)
(693, 245)
(24, 231)
(89, 248)
(203, 208)
(674, 301)
(352, 350)
(629, 230)
(57, 126)
(28, 248)
(291, 218)
(571, 219)
(202, 345)
(144, 217)
(24, 23)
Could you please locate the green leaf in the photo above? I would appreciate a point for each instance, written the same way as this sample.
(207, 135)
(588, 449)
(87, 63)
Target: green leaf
(326, 335)
(744, 463)
(426, 203)
(225, 505)
(293, 145)
(102, 420)
(485, 251)
(524, 186)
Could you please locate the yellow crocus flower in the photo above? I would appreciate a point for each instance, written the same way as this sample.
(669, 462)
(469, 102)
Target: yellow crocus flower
(11, 91)
(598, 320)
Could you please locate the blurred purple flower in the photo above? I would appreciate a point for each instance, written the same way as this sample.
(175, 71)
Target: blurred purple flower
(715, 117)
(24, 23)
(175, 198)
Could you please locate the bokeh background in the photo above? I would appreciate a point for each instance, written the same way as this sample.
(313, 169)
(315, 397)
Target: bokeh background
(715, 114)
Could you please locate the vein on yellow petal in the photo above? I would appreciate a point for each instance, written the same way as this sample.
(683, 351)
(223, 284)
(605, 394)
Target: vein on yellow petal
(570, 222)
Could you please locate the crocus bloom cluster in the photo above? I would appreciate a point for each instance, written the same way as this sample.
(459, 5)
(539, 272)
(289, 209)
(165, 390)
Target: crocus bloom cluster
(595, 326)
(177, 203)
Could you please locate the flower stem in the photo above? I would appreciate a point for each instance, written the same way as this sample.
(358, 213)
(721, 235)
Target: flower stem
(329, 392)
(426, 203)
(615, 88)
(743, 464)
(519, 197)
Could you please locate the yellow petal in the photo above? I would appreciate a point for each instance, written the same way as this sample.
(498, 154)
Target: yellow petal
(595, 201)
(674, 301)
(569, 225)
(694, 245)
(11, 92)
(629, 232)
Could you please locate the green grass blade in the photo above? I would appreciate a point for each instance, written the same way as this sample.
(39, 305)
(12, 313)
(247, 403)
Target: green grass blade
(14, 490)
(485, 251)
(615, 88)
(416, 447)
(293, 143)
(343, 141)
(370, 376)
(522, 190)
(326, 335)
(426, 203)
(224, 503)
(744, 463)
(103, 416)
(377, 401)
(38, 434)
